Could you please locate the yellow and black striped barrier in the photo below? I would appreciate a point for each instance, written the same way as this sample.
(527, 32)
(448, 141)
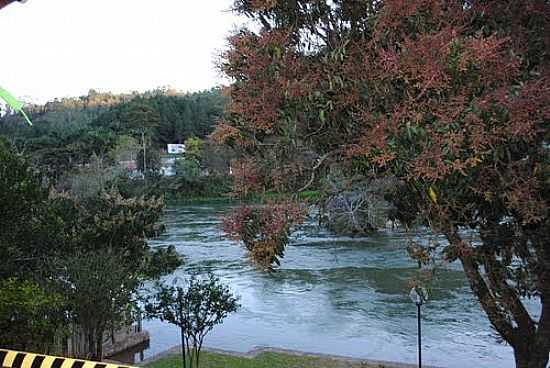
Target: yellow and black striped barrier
(18, 359)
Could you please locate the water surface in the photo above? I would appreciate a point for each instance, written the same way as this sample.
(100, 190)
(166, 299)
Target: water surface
(332, 295)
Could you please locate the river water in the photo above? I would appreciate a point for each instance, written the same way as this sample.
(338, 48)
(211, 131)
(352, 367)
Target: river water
(332, 295)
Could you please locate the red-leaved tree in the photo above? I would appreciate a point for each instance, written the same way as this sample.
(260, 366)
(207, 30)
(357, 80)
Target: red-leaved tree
(451, 98)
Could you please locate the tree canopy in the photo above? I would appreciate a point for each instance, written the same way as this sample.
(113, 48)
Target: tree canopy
(83, 259)
(68, 132)
(448, 97)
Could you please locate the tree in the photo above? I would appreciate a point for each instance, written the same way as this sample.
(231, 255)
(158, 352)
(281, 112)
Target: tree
(151, 164)
(20, 197)
(196, 309)
(109, 260)
(187, 168)
(82, 258)
(141, 119)
(450, 98)
(30, 230)
(32, 312)
(30, 316)
(101, 290)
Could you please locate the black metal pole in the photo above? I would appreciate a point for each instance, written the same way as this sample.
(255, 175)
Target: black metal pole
(419, 338)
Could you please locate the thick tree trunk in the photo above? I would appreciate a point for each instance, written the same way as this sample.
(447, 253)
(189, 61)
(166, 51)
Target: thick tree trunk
(99, 345)
(530, 341)
(91, 344)
(530, 355)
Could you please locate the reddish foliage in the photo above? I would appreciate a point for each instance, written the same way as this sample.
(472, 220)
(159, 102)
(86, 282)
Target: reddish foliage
(450, 97)
(264, 229)
(247, 178)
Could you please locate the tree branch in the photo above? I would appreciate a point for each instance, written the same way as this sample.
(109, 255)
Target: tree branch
(4, 3)
(315, 168)
(508, 297)
(497, 318)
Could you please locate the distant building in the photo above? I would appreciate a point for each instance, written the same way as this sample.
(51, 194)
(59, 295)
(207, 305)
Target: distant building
(176, 149)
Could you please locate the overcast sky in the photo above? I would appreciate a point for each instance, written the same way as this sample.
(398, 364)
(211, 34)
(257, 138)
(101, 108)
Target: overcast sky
(57, 48)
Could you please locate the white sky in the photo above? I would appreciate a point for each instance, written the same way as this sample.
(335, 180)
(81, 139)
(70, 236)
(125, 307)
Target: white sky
(58, 48)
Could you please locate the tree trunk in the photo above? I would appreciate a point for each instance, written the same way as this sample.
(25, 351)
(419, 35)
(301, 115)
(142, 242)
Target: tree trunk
(91, 344)
(183, 348)
(530, 341)
(99, 345)
(530, 355)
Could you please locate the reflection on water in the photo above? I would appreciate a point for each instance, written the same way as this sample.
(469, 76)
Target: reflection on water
(334, 295)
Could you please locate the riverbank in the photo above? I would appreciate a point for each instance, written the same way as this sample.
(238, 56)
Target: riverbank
(226, 198)
(264, 357)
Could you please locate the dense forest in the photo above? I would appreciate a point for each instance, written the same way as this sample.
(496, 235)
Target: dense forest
(81, 141)
(70, 131)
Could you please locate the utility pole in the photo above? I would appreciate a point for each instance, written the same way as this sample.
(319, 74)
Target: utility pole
(144, 156)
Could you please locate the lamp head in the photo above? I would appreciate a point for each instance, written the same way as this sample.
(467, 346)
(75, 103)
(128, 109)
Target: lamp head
(418, 295)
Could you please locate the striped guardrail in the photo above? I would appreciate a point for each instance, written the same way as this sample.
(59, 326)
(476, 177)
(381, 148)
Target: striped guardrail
(19, 359)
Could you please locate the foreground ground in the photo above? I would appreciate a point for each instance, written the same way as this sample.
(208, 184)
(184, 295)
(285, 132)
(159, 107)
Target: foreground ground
(263, 360)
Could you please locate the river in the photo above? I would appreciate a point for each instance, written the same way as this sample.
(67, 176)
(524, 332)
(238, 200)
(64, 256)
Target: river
(332, 295)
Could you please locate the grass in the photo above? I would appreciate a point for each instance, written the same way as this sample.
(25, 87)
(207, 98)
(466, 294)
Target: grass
(226, 199)
(262, 360)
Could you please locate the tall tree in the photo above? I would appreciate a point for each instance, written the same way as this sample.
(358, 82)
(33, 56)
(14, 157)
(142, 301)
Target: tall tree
(449, 97)
(108, 260)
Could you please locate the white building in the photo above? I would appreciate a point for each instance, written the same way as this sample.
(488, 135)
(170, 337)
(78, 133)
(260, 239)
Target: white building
(176, 149)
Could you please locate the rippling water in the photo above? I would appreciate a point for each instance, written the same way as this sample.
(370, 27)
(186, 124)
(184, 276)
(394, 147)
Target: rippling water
(333, 295)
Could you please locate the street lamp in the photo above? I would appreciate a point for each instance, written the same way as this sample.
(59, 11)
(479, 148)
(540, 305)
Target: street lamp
(419, 296)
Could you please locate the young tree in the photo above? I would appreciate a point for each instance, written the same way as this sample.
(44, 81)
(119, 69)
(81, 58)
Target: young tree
(449, 97)
(108, 260)
(196, 309)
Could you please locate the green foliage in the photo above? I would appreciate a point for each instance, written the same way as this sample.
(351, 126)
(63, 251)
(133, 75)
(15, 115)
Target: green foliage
(125, 149)
(188, 168)
(67, 132)
(100, 286)
(29, 230)
(152, 161)
(193, 147)
(89, 248)
(196, 309)
(109, 259)
(30, 316)
(175, 117)
(185, 187)
(263, 360)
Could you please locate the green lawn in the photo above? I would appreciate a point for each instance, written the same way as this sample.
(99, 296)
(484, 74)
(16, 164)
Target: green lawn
(263, 360)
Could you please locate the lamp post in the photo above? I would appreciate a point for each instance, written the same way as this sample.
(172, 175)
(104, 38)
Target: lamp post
(419, 296)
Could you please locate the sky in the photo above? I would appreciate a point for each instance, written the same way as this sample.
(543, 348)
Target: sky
(63, 48)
